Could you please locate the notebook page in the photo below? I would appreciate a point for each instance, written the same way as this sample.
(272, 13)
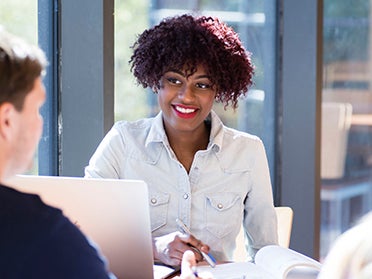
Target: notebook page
(242, 270)
(280, 260)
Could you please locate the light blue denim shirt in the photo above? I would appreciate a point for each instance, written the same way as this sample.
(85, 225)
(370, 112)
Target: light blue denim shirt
(228, 183)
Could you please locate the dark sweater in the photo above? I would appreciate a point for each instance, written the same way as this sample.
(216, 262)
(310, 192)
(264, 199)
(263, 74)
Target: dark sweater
(38, 241)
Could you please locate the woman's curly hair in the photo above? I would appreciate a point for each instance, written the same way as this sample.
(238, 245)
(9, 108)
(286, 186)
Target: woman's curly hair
(184, 42)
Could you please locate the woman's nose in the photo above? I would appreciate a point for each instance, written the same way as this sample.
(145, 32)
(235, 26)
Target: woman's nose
(186, 93)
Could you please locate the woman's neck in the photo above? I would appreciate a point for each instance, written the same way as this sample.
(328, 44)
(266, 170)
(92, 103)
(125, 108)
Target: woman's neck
(186, 144)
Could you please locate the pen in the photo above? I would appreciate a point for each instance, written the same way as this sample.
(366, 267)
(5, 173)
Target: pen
(208, 257)
(194, 271)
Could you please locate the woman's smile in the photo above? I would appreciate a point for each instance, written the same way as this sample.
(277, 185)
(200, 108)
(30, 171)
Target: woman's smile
(185, 111)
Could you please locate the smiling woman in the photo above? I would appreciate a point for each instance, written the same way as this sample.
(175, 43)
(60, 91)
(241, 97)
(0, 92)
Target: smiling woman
(211, 177)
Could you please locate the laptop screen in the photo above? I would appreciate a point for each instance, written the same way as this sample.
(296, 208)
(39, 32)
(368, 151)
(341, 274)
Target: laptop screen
(112, 213)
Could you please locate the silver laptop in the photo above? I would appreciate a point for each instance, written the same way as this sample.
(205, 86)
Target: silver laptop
(112, 213)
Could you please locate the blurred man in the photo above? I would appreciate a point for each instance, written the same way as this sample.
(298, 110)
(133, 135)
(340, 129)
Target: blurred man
(36, 240)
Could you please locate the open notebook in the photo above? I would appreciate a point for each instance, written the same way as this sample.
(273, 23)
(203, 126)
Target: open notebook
(113, 213)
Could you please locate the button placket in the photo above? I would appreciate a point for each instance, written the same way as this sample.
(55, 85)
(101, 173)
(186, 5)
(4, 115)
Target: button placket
(184, 195)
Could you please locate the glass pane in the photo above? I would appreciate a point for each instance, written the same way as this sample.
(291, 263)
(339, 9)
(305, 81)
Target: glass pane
(175, 4)
(346, 161)
(254, 21)
(20, 18)
(131, 18)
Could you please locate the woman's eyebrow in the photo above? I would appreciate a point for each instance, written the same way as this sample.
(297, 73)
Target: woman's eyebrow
(177, 72)
(203, 76)
(184, 75)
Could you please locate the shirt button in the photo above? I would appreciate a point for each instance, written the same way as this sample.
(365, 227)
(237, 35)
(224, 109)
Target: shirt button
(153, 201)
(185, 196)
(220, 206)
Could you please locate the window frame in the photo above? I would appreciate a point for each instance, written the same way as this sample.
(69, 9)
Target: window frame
(80, 82)
(300, 83)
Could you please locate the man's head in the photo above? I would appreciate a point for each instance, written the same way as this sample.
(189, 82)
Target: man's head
(21, 96)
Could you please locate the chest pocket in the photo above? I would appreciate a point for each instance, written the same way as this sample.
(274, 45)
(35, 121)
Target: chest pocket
(158, 209)
(223, 213)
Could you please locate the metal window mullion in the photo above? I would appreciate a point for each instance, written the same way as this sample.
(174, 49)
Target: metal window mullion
(48, 38)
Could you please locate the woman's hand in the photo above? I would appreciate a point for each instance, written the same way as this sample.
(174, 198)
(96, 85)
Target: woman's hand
(188, 267)
(169, 249)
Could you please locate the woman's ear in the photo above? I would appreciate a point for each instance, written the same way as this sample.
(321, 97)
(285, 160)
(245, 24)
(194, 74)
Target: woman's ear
(7, 118)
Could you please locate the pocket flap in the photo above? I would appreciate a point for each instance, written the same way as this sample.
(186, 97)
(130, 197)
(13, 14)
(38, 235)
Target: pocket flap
(157, 199)
(222, 201)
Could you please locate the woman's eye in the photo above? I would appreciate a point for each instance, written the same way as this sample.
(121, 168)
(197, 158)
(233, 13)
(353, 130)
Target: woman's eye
(174, 81)
(203, 85)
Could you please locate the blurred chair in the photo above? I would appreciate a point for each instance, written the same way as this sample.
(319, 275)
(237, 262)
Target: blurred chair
(284, 215)
(336, 121)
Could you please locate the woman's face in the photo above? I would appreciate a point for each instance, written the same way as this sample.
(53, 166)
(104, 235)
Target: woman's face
(185, 101)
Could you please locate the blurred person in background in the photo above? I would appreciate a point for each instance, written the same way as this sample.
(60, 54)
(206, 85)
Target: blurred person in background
(36, 240)
(350, 256)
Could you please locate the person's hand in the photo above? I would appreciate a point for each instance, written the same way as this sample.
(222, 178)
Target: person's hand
(170, 248)
(188, 267)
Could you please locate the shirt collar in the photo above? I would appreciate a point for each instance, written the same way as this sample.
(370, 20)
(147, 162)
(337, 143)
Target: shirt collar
(216, 136)
(157, 132)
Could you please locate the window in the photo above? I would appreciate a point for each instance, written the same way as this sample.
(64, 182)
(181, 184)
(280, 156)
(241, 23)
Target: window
(20, 18)
(131, 18)
(346, 161)
(282, 98)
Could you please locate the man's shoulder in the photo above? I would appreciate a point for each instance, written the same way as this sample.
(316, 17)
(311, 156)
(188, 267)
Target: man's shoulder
(33, 233)
(25, 215)
(16, 204)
